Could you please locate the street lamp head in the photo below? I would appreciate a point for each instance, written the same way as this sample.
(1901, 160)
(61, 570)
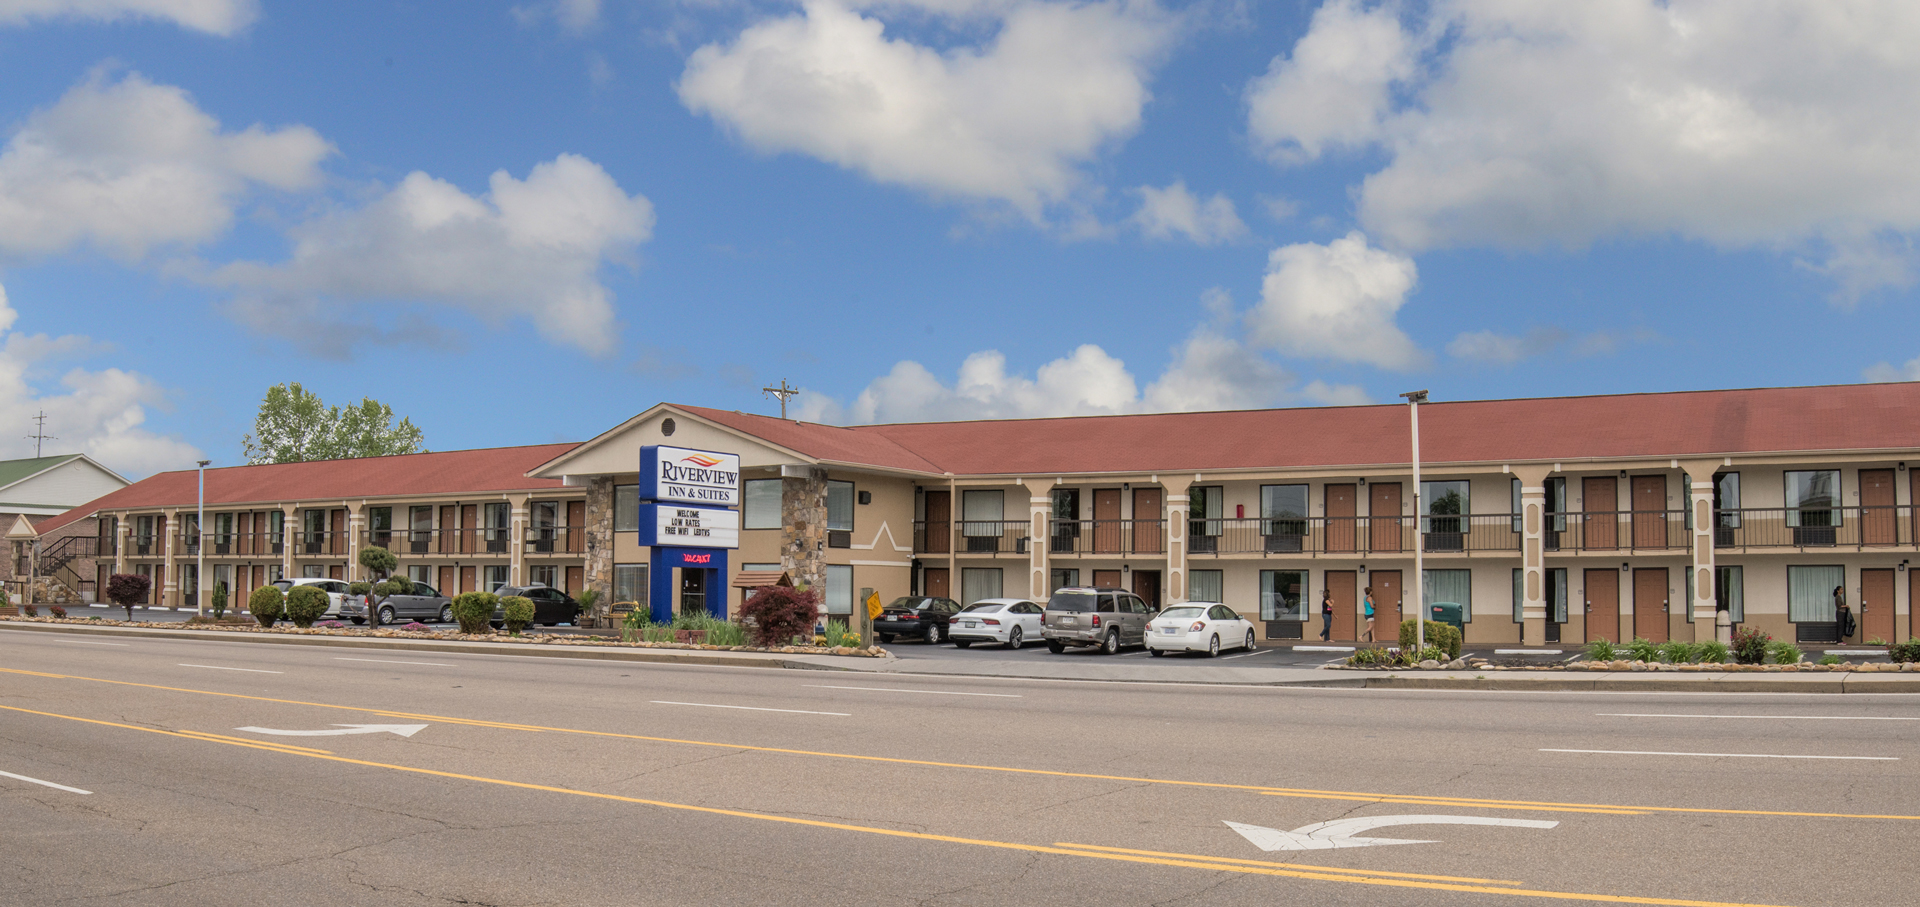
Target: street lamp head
(1419, 396)
(203, 463)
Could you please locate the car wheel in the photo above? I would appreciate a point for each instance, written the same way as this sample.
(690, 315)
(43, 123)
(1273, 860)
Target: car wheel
(1056, 647)
(386, 614)
(446, 614)
(933, 634)
(1249, 645)
(497, 624)
(1110, 645)
(359, 620)
(1213, 646)
(962, 643)
(886, 637)
(1155, 652)
(1015, 638)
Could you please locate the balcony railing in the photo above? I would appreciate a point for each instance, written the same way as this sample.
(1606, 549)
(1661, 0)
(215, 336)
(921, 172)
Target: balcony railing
(993, 536)
(1098, 537)
(1815, 527)
(556, 539)
(319, 544)
(1616, 530)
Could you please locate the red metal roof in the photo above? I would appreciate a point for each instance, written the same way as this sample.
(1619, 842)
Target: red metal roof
(494, 469)
(1679, 424)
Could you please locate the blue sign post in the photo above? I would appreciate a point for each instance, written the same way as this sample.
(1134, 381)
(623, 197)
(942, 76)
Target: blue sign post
(687, 499)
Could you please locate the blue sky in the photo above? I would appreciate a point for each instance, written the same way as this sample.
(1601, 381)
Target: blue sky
(524, 222)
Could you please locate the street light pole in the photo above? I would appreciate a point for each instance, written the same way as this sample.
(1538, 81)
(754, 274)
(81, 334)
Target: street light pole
(1414, 399)
(200, 546)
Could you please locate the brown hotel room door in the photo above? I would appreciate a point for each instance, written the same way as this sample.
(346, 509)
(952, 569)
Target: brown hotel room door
(1650, 604)
(1386, 604)
(1649, 511)
(1383, 516)
(1600, 514)
(1879, 524)
(1345, 586)
(939, 531)
(938, 585)
(1603, 604)
(1106, 521)
(1147, 523)
(1876, 604)
(1341, 511)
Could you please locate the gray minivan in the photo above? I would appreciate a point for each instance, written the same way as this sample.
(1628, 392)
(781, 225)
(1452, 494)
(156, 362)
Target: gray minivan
(419, 602)
(1087, 616)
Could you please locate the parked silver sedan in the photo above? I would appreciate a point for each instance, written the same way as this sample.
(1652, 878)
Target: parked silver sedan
(1010, 621)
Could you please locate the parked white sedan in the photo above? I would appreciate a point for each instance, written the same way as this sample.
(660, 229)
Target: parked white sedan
(1198, 627)
(1012, 621)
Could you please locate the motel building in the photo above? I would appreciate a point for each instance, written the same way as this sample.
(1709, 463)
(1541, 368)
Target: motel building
(1558, 520)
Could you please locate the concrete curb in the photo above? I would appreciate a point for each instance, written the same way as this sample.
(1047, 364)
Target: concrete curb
(1638, 683)
(589, 653)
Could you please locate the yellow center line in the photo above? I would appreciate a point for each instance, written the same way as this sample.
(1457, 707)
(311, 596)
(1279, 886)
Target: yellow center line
(1270, 863)
(1349, 876)
(929, 763)
(1446, 801)
(184, 735)
(225, 738)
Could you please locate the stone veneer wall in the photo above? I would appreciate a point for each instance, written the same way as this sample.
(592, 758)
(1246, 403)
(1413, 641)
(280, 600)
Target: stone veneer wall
(599, 567)
(803, 536)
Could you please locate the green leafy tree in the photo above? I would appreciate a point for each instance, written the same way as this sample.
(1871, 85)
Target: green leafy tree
(294, 426)
(379, 563)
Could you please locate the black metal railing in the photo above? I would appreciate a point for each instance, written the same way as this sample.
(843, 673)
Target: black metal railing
(994, 536)
(1887, 526)
(1098, 537)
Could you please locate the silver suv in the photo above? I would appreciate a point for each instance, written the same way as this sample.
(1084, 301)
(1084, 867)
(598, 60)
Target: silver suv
(1085, 616)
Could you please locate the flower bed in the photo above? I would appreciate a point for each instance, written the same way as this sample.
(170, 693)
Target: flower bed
(456, 636)
(1481, 664)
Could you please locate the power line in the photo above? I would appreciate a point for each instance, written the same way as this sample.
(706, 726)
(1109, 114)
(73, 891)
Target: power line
(781, 393)
(40, 432)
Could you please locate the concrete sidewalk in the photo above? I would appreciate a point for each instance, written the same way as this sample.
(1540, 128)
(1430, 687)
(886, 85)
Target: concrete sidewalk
(1083, 669)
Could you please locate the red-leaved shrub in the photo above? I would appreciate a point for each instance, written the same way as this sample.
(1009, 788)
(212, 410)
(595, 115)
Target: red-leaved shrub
(780, 613)
(128, 589)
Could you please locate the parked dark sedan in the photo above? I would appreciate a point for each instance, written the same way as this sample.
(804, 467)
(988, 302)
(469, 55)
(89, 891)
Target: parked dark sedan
(550, 606)
(916, 615)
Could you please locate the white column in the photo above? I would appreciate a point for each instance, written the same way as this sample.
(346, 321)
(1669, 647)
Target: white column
(1533, 557)
(1700, 505)
(1040, 535)
(1179, 507)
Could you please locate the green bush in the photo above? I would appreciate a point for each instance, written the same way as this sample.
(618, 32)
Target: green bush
(1829, 659)
(1439, 636)
(305, 604)
(517, 611)
(1750, 646)
(473, 610)
(1602, 650)
(1678, 652)
(267, 603)
(1642, 649)
(219, 600)
(1905, 651)
(1783, 653)
(1715, 652)
(1373, 657)
(836, 633)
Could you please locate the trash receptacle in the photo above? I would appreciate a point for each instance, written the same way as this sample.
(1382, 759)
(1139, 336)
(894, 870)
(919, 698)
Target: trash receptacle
(1447, 613)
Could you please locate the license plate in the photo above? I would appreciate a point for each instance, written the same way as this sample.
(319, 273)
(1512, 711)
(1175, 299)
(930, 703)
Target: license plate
(969, 624)
(1169, 631)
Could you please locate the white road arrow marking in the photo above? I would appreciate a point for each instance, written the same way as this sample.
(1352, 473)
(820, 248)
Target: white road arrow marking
(1341, 833)
(404, 730)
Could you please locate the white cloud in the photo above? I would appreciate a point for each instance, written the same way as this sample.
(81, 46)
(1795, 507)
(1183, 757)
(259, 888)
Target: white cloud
(1337, 301)
(1782, 125)
(1883, 371)
(1210, 370)
(1505, 349)
(1174, 210)
(126, 165)
(1333, 91)
(1011, 120)
(527, 249)
(99, 413)
(220, 17)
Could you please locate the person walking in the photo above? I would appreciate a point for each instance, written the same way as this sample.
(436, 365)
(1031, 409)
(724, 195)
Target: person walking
(1842, 615)
(1367, 605)
(1326, 614)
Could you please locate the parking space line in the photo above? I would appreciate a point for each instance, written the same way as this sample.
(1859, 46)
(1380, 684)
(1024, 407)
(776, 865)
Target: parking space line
(46, 783)
(749, 708)
(387, 662)
(1763, 717)
(820, 686)
(219, 668)
(1726, 755)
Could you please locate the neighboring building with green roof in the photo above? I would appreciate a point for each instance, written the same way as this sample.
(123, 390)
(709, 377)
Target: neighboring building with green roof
(40, 488)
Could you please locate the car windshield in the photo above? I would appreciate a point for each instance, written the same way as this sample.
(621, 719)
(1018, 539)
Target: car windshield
(906, 604)
(1181, 613)
(1071, 601)
(982, 609)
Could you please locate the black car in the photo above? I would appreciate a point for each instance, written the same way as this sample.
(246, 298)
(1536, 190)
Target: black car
(916, 615)
(550, 606)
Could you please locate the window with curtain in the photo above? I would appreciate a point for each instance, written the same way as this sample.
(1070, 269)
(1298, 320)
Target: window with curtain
(1208, 507)
(1812, 498)
(276, 526)
(1557, 503)
(1688, 607)
(1283, 509)
(630, 584)
(977, 583)
(626, 508)
(1729, 592)
(1557, 594)
(982, 512)
(1065, 576)
(840, 507)
(496, 577)
(1442, 501)
(839, 589)
(1449, 586)
(1515, 507)
(1283, 594)
(1519, 594)
(1205, 585)
(760, 505)
(380, 526)
(1726, 500)
(1810, 593)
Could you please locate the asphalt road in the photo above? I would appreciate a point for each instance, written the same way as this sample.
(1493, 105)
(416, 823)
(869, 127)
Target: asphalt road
(536, 781)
